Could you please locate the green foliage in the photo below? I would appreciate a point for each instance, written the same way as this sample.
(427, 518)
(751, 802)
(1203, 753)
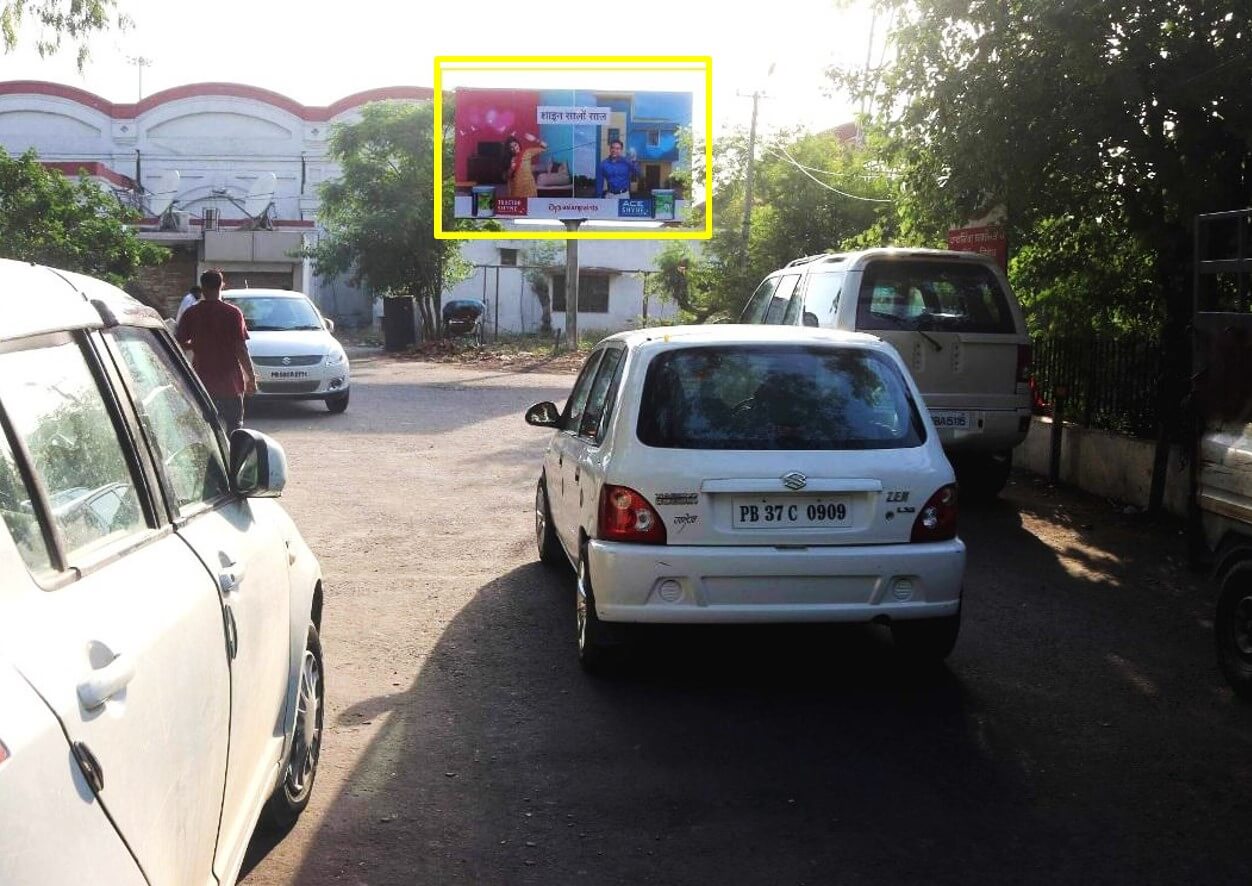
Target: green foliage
(1101, 127)
(71, 224)
(379, 214)
(57, 19)
(538, 259)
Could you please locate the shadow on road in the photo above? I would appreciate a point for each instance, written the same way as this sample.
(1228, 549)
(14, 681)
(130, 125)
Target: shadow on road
(1078, 734)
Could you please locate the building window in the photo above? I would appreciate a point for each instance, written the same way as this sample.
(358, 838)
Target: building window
(508, 257)
(593, 293)
(615, 135)
(654, 138)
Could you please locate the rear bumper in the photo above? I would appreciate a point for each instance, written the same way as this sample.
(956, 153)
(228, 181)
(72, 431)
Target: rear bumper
(990, 430)
(674, 584)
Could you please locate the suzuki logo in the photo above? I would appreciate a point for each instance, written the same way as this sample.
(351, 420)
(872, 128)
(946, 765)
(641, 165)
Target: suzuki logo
(794, 480)
(286, 361)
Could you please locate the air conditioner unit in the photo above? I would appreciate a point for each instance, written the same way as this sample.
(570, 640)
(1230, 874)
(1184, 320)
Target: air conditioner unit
(212, 216)
(182, 221)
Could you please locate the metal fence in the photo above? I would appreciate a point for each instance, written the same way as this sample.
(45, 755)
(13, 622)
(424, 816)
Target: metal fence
(1112, 384)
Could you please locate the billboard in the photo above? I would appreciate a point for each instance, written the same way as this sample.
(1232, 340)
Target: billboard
(571, 153)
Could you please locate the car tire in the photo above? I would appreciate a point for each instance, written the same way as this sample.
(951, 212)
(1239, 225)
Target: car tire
(594, 648)
(926, 640)
(337, 403)
(549, 545)
(1232, 628)
(300, 768)
(982, 478)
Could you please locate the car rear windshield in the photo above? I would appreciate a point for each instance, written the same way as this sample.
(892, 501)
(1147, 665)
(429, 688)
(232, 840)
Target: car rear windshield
(944, 296)
(776, 397)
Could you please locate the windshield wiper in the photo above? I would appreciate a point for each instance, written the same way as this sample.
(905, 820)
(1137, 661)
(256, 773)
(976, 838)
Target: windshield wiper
(904, 324)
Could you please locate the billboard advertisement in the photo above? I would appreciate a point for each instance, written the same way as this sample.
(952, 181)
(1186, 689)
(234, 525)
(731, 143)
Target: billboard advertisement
(571, 153)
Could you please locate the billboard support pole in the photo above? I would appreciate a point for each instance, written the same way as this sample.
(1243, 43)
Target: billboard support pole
(571, 282)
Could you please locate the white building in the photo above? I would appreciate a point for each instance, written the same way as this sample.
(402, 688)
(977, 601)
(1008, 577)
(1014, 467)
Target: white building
(611, 284)
(220, 148)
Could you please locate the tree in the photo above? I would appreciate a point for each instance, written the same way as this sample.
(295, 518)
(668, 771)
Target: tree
(71, 224)
(1101, 127)
(379, 215)
(539, 260)
(57, 19)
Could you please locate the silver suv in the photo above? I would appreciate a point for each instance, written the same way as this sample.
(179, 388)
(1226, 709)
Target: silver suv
(954, 321)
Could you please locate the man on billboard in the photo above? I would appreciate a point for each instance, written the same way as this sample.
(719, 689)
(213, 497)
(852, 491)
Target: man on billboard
(615, 173)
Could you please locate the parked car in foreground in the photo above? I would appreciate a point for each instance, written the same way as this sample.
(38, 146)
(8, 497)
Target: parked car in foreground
(749, 474)
(160, 668)
(292, 347)
(954, 320)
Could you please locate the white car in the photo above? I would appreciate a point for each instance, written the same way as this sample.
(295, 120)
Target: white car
(160, 667)
(750, 474)
(291, 345)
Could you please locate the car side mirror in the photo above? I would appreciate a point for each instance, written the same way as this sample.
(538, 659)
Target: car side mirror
(258, 464)
(543, 415)
(809, 319)
(329, 324)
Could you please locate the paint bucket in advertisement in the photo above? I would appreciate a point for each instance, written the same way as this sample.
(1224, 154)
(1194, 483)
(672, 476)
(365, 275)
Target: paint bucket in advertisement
(662, 204)
(484, 201)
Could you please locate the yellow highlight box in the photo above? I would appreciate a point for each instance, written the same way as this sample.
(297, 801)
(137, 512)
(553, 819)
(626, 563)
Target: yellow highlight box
(577, 63)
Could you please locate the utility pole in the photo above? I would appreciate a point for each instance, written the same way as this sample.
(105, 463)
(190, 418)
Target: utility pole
(140, 62)
(756, 96)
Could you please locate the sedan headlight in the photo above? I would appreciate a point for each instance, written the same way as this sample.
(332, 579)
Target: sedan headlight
(334, 358)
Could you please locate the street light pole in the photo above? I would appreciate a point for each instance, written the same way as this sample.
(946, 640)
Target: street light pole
(757, 95)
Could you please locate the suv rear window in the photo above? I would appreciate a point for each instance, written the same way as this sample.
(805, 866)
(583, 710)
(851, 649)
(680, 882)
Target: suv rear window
(943, 296)
(776, 397)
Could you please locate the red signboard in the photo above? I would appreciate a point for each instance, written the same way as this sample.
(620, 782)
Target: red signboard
(989, 240)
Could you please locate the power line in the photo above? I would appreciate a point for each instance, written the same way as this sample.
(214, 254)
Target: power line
(823, 184)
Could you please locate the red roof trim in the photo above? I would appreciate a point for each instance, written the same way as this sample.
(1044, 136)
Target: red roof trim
(73, 168)
(311, 114)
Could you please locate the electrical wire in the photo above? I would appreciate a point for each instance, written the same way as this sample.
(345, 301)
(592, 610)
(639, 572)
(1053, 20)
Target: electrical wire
(823, 184)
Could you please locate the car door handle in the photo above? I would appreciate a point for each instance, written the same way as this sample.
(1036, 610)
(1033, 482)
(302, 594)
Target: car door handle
(106, 682)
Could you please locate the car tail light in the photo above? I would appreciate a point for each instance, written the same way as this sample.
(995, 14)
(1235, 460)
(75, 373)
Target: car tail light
(937, 519)
(625, 515)
(1024, 359)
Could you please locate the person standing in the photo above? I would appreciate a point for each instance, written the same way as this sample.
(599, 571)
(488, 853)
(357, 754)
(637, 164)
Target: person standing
(615, 173)
(217, 335)
(193, 295)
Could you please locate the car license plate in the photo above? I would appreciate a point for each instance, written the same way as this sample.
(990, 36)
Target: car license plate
(791, 511)
(289, 373)
(947, 419)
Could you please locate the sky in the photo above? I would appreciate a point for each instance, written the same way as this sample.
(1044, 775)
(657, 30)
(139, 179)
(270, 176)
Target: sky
(316, 53)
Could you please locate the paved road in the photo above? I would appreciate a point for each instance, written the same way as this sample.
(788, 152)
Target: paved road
(1080, 732)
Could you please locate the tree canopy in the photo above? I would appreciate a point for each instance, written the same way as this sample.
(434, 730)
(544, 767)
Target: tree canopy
(379, 214)
(79, 20)
(1102, 128)
(71, 224)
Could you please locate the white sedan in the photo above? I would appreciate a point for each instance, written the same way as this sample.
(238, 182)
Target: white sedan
(750, 474)
(161, 683)
(292, 347)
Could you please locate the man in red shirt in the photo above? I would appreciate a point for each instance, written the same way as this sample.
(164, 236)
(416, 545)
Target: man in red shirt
(216, 333)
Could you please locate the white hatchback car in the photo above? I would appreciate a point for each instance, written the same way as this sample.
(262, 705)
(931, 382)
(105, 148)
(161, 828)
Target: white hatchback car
(292, 348)
(750, 474)
(160, 667)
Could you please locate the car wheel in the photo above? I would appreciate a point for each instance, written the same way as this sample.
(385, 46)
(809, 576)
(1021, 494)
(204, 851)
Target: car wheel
(926, 640)
(593, 646)
(982, 478)
(1232, 629)
(545, 533)
(337, 403)
(300, 768)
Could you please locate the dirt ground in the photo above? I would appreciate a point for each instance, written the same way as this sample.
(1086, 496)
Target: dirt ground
(1079, 731)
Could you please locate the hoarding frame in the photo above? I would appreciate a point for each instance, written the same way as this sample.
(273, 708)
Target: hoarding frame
(576, 63)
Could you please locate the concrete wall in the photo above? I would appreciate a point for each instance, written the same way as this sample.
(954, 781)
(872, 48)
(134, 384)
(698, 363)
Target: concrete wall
(1104, 464)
